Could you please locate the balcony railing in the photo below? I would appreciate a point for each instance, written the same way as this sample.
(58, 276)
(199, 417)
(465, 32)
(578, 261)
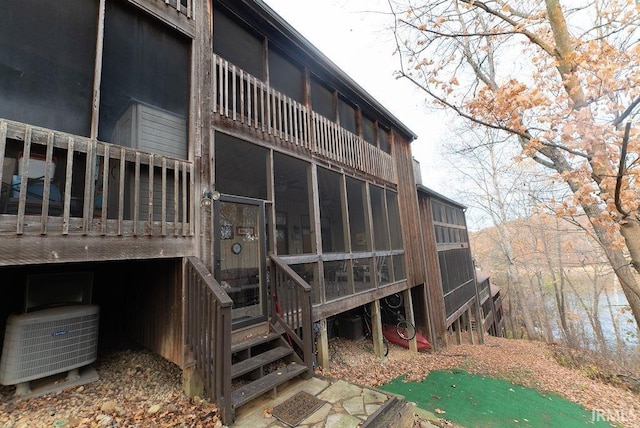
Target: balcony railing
(244, 98)
(57, 183)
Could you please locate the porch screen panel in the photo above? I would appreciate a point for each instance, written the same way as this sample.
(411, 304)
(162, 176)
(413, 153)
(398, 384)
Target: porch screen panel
(285, 77)
(347, 115)
(241, 167)
(144, 99)
(292, 201)
(359, 233)
(378, 211)
(369, 130)
(47, 57)
(238, 44)
(395, 230)
(322, 100)
(333, 239)
(383, 140)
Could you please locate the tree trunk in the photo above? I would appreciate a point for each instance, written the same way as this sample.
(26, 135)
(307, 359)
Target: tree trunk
(543, 314)
(524, 308)
(622, 268)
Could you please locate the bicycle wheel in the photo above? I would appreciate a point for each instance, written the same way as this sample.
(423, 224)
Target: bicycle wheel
(394, 301)
(406, 330)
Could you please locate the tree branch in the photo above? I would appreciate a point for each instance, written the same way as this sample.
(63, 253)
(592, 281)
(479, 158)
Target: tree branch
(531, 36)
(626, 113)
(460, 112)
(621, 170)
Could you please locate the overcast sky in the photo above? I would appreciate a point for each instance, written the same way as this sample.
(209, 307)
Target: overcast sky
(354, 35)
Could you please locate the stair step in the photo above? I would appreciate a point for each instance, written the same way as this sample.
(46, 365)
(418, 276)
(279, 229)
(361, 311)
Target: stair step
(258, 387)
(395, 412)
(260, 360)
(254, 341)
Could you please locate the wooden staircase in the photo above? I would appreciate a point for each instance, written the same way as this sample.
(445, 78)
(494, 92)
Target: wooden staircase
(261, 364)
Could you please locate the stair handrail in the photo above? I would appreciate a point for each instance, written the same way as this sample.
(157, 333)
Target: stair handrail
(291, 307)
(207, 317)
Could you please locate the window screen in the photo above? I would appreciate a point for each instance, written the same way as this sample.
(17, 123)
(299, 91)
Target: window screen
(378, 212)
(285, 77)
(369, 130)
(383, 140)
(322, 100)
(47, 57)
(238, 44)
(146, 70)
(395, 230)
(359, 232)
(241, 167)
(329, 186)
(347, 115)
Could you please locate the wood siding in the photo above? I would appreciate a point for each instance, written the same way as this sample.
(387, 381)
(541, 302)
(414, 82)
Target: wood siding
(434, 280)
(409, 219)
(156, 323)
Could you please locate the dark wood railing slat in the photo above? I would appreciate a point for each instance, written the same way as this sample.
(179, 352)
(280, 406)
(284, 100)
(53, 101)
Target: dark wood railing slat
(105, 190)
(46, 189)
(293, 295)
(89, 168)
(208, 333)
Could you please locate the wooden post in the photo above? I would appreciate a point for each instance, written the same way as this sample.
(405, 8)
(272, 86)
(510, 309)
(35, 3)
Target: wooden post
(322, 345)
(445, 337)
(376, 327)
(471, 326)
(458, 331)
(408, 310)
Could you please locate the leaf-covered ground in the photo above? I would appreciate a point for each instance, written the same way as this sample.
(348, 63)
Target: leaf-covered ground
(140, 389)
(522, 362)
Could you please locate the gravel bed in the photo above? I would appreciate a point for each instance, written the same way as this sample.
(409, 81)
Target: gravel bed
(136, 389)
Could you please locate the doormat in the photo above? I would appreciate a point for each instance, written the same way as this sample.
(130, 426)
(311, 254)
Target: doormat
(297, 408)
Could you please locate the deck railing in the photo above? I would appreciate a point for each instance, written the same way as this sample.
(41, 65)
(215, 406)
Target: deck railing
(291, 308)
(243, 98)
(208, 333)
(57, 183)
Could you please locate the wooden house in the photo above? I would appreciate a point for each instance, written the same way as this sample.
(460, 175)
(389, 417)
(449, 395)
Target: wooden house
(458, 294)
(226, 186)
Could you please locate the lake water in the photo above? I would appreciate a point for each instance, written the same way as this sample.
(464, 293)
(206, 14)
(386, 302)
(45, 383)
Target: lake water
(626, 322)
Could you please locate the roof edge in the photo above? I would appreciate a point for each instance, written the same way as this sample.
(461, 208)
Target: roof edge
(298, 39)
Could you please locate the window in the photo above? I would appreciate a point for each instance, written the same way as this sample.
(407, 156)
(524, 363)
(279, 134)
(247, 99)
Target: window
(285, 77)
(234, 155)
(379, 214)
(322, 100)
(292, 199)
(369, 130)
(383, 140)
(329, 187)
(145, 81)
(47, 57)
(347, 115)
(395, 230)
(238, 44)
(359, 232)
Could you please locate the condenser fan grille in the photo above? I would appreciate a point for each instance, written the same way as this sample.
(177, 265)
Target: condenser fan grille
(47, 342)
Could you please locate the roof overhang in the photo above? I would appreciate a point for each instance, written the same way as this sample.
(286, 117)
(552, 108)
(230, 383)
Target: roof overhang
(283, 34)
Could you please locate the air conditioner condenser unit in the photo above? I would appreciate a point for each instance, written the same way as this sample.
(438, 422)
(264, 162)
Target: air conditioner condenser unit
(47, 342)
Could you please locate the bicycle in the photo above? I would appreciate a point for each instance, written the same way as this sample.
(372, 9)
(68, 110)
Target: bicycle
(368, 332)
(390, 306)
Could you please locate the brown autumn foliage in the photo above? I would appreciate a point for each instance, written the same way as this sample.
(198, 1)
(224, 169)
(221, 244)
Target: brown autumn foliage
(561, 80)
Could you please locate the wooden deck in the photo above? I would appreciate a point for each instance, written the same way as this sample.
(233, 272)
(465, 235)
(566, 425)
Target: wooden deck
(247, 101)
(56, 186)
